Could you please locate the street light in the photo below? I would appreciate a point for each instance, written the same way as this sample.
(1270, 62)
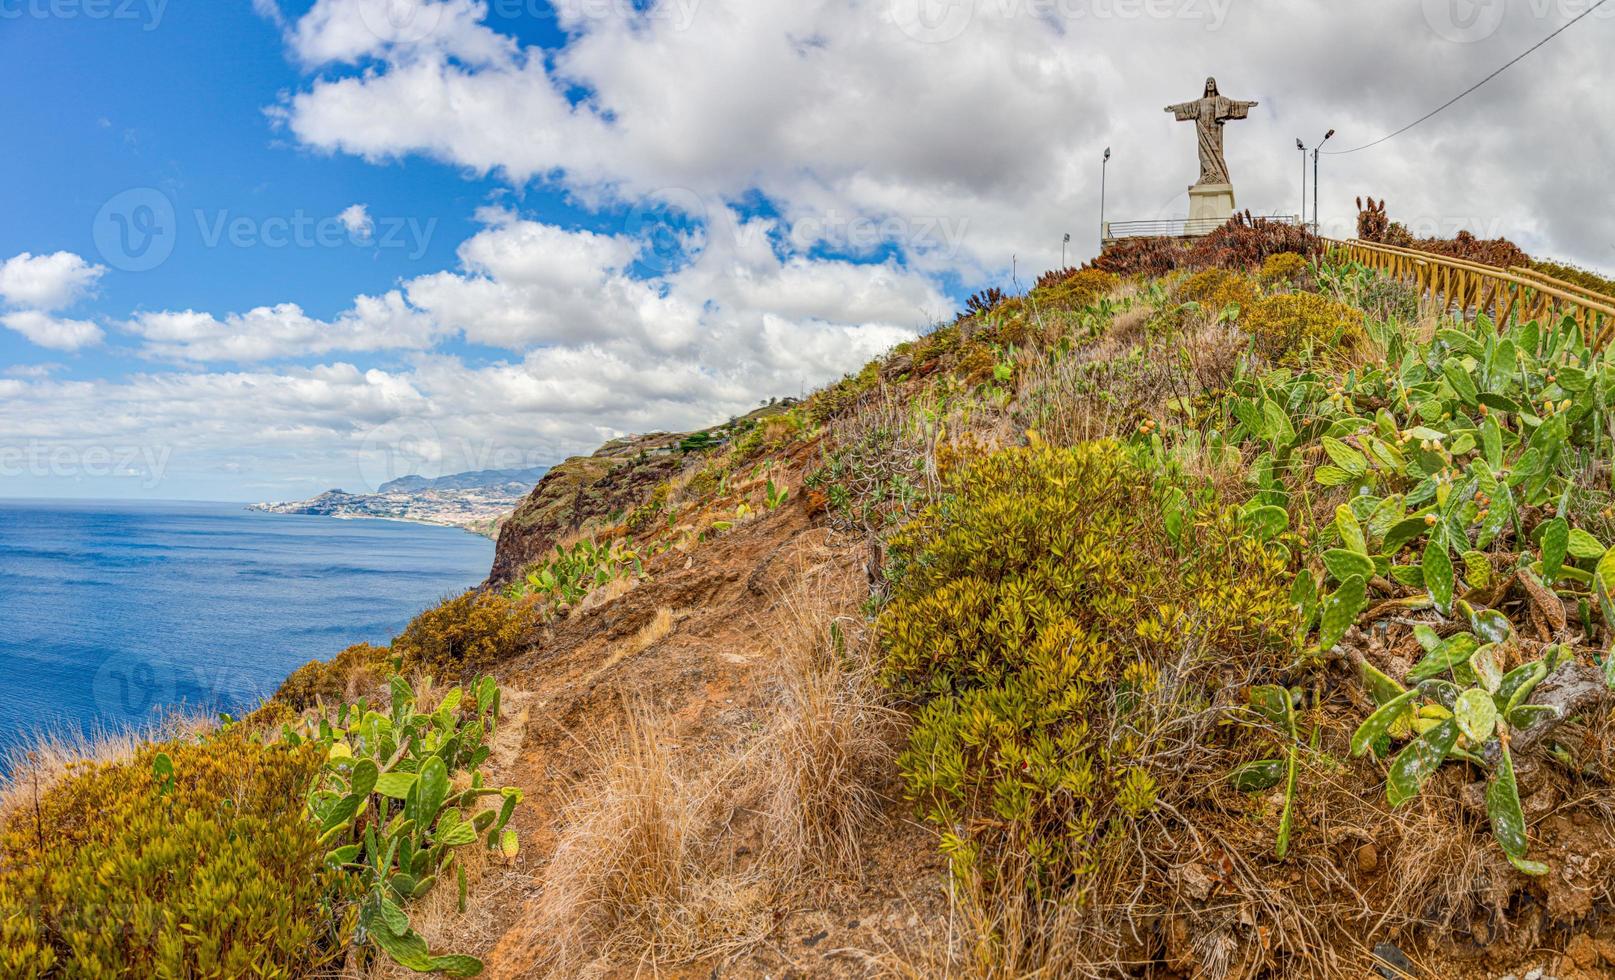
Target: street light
(1103, 173)
(1315, 219)
(1063, 243)
(1303, 148)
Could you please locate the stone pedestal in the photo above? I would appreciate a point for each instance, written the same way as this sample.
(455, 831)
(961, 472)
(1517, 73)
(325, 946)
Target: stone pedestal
(1210, 203)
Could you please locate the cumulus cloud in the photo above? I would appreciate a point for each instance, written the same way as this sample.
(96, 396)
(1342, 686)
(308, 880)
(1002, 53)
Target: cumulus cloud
(47, 282)
(374, 323)
(777, 189)
(356, 219)
(53, 332)
(992, 116)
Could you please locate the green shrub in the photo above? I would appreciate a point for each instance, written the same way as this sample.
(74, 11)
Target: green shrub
(360, 665)
(1283, 267)
(1590, 281)
(1022, 604)
(572, 573)
(1217, 289)
(1072, 290)
(1386, 299)
(214, 872)
(399, 794)
(1289, 326)
(466, 635)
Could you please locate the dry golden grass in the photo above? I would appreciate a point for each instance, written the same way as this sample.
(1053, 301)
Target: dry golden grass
(36, 765)
(621, 874)
(648, 868)
(829, 742)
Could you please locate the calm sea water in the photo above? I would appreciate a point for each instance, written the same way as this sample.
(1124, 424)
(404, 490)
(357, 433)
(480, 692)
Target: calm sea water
(111, 613)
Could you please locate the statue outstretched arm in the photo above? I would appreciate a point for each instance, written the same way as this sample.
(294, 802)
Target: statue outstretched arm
(1185, 110)
(1239, 110)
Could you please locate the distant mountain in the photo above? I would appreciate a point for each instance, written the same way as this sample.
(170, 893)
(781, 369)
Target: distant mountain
(466, 481)
(478, 502)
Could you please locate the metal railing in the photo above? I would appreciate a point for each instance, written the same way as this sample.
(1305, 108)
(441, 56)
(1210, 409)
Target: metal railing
(1178, 227)
(1462, 286)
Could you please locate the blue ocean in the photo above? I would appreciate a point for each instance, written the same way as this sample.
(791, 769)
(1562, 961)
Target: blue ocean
(112, 613)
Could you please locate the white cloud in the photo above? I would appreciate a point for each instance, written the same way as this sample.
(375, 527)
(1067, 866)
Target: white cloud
(356, 218)
(270, 10)
(283, 331)
(349, 31)
(52, 332)
(46, 282)
(998, 127)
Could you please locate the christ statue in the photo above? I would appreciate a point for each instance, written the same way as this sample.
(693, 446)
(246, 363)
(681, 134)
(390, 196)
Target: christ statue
(1209, 114)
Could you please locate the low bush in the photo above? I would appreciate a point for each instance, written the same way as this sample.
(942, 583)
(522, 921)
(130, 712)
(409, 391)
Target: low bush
(1073, 289)
(839, 398)
(399, 794)
(1374, 225)
(192, 859)
(466, 635)
(1590, 281)
(1148, 257)
(570, 574)
(347, 675)
(1283, 267)
(1025, 606)
(1289, 327)
(1246, 242)
(1217, 289)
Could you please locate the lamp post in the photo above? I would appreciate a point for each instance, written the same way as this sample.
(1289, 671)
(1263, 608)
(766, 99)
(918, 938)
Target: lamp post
(1063, 243)
(1315, 219)
(1104, 168)
(1303, 148)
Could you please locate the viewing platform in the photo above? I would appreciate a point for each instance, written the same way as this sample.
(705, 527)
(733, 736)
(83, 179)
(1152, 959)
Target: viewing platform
(1186, 228)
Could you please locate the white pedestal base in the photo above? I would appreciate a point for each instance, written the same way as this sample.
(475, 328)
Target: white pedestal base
(1210, 203)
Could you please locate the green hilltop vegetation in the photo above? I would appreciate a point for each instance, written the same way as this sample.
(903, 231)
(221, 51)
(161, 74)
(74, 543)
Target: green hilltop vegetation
(1240, 615)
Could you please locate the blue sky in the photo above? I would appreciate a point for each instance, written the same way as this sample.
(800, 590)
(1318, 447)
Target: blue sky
(548, 225)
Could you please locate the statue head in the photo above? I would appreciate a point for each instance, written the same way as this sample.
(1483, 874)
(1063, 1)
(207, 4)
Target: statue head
(1211, 87)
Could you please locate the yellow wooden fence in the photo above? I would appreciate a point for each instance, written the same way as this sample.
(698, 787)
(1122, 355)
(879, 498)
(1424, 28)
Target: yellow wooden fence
(1464, 287)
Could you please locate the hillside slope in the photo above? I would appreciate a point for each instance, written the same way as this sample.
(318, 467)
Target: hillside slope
(1225, 611)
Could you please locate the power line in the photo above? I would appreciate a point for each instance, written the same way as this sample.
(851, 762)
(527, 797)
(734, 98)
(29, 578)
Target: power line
(1569, 24)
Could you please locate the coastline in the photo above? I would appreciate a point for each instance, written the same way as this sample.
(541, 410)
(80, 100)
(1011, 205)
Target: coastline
(492, 534)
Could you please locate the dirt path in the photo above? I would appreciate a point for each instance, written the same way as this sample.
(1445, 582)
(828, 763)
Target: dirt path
(710, 678)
